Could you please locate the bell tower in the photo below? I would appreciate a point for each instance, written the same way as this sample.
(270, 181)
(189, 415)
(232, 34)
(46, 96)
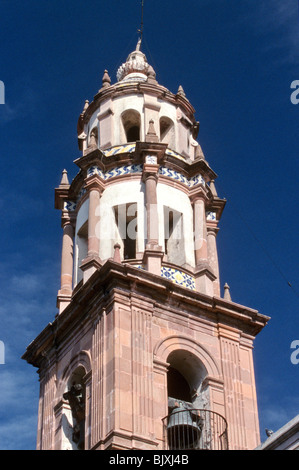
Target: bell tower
(144, 352)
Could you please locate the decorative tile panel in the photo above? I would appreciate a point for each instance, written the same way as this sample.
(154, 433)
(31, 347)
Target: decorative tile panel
(118, 171)
(211, 215)
(69, 206)
(178, 277)
(128, 148)
(175, 175)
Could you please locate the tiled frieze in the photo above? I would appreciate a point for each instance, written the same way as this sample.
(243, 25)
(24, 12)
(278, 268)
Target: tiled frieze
(178, 277)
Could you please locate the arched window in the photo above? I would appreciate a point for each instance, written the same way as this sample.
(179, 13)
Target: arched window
(126, 223)
(131, 124)
(167, 131)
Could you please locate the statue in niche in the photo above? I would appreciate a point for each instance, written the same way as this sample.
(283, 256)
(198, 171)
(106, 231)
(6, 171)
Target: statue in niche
(75, 397)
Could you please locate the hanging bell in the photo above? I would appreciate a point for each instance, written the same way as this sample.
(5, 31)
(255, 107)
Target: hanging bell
(183, 429)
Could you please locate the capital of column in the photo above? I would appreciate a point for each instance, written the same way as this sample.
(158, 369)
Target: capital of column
(199, 194)
(68, 218)
(94, 182)
(212, 228)
(150, 171)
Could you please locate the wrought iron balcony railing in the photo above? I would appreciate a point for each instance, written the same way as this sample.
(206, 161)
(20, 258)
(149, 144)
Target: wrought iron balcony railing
(195, 429)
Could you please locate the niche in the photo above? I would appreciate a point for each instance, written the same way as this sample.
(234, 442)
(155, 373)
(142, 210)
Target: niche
(75, 396)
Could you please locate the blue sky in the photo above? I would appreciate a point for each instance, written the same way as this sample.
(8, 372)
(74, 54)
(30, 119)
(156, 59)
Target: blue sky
(236, 60)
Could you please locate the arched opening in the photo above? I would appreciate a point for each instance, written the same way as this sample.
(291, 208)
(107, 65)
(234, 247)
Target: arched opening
(74, 425)
(131, 124)
(167, 131)
(185, 422)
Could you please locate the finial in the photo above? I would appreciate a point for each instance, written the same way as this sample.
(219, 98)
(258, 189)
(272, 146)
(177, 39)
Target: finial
(116, 256)
(64, 180)
(199, 155)
(226, 292)
(181, 91)
(106, 80)
(151, 135)
(86, 104)
(213, 188)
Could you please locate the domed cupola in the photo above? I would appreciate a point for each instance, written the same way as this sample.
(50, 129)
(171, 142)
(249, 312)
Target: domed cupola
(136, 67)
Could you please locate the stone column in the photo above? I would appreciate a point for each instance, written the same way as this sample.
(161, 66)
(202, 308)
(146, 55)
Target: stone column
(92, 262)
(212, 231)
(93, 219)
(151, 209)
(66, 278)
(153, 252)
(204, 276)
(200, 231)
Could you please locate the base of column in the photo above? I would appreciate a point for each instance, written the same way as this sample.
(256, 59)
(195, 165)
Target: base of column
(90, 265)
(63, 300)
(204, 279)
(152, 258)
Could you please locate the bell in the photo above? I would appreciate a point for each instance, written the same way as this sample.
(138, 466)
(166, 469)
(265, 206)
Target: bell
(183, 429)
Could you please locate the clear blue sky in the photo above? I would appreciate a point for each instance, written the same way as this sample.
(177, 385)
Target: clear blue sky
(236, 60)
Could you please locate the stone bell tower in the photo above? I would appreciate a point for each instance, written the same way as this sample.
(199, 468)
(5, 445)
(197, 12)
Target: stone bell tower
(144, 353)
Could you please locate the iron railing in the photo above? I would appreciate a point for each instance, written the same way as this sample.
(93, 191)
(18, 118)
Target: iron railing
(195, 429)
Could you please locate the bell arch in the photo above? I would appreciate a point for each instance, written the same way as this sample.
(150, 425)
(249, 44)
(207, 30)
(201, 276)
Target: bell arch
(179, 342)
(197, 367)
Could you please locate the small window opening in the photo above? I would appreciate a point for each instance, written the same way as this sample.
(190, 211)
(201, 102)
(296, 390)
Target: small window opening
(126, 221)
(173, 236)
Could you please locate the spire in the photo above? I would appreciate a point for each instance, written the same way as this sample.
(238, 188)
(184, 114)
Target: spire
(226, 292)
(199, 155)
(64, 180)
(213, 188)
(116, 256)
(181, 91)
(151, 135)
(106, 80)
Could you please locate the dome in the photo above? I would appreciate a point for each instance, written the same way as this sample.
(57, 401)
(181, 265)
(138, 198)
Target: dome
(136, 67)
